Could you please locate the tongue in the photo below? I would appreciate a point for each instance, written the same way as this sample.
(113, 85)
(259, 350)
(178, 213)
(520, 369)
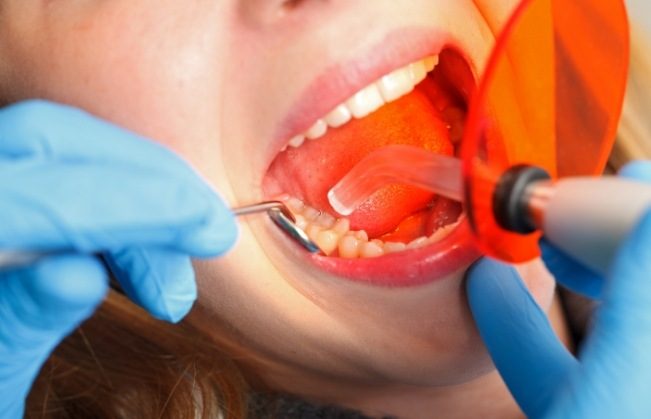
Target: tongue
(309, 171)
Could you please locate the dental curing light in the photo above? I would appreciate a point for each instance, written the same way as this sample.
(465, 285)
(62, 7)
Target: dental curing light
(542, 120)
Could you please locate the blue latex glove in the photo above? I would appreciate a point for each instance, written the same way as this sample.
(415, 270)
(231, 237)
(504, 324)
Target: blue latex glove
(612, 377)
(76, 186)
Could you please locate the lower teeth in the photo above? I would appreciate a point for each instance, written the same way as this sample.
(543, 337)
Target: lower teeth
(335, 238)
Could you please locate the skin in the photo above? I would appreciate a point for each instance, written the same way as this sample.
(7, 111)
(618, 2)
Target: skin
(193, 75)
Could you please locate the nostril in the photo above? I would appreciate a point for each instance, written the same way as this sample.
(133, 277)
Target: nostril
(292, 4)
(268, 11)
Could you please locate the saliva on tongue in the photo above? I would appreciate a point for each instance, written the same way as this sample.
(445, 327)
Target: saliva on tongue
(395, 212)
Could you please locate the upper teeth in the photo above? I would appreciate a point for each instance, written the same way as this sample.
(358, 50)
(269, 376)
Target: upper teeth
(384, 90)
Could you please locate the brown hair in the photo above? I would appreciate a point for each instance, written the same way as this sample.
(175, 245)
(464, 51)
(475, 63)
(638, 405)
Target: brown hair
(122, 363)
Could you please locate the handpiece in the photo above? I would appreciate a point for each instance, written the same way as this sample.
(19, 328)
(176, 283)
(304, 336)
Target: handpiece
(587, 217)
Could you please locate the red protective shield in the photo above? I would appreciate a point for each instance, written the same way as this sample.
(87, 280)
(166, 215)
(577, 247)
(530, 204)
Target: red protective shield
(551, 96)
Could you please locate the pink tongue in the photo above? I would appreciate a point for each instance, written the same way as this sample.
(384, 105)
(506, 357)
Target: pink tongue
(309, 171)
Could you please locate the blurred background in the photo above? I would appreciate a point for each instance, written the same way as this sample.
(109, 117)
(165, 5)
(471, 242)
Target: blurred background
(634, 140)
(641, 12)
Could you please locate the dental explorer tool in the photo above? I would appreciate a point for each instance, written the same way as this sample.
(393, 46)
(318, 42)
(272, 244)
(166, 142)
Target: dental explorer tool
(277, 211)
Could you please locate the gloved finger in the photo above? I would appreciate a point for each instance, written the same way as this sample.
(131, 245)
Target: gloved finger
(571, 273)
(526, 351)
(39, 306)
(72, 181)
(95, 207)
(161, 281)
(639, 170)
(56, 132)
(617, 365)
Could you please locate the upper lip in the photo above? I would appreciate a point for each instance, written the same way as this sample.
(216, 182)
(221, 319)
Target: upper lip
(340, 80)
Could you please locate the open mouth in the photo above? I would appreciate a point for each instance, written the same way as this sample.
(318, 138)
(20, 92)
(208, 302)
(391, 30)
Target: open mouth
(402, 235)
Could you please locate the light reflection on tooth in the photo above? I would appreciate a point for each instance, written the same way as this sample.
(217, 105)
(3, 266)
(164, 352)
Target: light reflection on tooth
(394, 247)
(370, 250)
(417, 72)
(338, 116)
(395, 85)
(300, 222)
(317, 130)
(312, 231)
(327, 240)
(297, 141)
(348, 247)
(361, 235)
(419, 242)
(365, 101)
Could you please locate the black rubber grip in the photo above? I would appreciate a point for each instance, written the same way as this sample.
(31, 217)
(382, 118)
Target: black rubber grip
(510, 206)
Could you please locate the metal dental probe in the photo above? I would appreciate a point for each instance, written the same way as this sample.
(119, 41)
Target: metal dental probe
(282, 216)
(277, 211)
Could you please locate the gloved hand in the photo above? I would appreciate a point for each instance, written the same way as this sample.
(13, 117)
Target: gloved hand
(612, 377)
(75, 186)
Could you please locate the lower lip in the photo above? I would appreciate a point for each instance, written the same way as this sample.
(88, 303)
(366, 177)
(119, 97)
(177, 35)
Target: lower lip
(408, 268)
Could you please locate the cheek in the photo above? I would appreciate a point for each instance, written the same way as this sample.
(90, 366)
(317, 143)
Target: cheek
(131, 64)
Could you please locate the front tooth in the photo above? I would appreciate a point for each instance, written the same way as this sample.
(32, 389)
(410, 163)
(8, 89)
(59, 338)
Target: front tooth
(338, 116)
(317, 130)
(395, 85)
(365, 101)
(297, 141)
(417, 72)
(431, 62)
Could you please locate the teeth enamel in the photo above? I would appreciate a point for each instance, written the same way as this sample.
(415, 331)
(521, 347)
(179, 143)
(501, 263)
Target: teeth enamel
(317, 130)
(326, 220)
(365, 101)
(371, 250)
(431, 62)
(394, 247)
(334, 236)
(297, 141)
(327, 241)
(417, 72)
(348, 247)
(396, 84)
(387, 89)
(338, 116)
(419, 242)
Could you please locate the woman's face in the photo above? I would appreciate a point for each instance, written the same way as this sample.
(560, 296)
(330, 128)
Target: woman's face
(226, 84)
